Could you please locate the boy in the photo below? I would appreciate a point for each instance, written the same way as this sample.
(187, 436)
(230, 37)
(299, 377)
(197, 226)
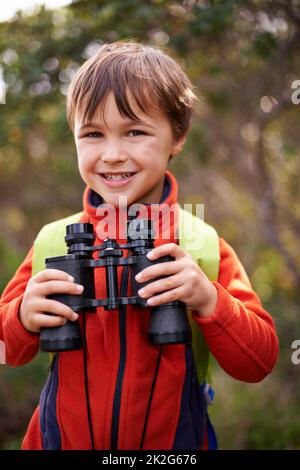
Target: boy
(130, 107)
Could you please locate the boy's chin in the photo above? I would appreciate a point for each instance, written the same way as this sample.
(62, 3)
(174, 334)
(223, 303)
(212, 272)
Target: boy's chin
(124, 203)
(118, 202)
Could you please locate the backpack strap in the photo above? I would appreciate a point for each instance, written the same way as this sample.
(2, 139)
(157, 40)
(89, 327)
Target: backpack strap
(50, 241)
(201, 241)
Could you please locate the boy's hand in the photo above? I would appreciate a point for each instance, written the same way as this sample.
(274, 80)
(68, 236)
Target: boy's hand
(186, 281)
(35, 304)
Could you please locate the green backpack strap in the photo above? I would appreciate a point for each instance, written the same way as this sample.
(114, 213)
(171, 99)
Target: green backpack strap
(51, 241)
(201, 241)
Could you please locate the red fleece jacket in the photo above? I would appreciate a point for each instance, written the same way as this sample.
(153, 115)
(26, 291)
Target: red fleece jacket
(240, 333)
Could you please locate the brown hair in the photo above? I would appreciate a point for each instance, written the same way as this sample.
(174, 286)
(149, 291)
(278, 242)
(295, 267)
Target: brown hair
(152, 77)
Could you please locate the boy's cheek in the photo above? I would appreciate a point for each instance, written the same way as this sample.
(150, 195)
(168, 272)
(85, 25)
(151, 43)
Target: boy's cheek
(85, 164)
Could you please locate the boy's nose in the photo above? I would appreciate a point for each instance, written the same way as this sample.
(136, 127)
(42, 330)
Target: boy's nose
(113, 154)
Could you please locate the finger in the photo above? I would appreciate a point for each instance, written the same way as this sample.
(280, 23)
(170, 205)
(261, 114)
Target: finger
(171, 249)
(161, 285)
(159, 269)
(166, 297)
(55, 307)
(58, 287)
(41, 320)
(52, 274)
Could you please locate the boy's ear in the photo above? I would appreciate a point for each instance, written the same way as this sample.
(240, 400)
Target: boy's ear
(178, 145)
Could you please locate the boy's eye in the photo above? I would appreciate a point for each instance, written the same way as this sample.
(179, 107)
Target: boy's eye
(137, 132)
(95, 134)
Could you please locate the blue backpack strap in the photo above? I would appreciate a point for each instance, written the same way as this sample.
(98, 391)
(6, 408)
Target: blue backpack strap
(208, 392)
(211, 435)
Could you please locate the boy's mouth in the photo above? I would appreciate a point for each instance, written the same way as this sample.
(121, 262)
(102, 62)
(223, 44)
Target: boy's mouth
(116, 176)
(116, 179)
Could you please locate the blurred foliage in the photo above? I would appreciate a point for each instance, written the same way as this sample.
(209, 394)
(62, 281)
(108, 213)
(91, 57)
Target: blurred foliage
(241, 160)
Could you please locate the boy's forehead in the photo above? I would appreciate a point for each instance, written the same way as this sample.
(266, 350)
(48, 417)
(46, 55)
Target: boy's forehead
(108, 105)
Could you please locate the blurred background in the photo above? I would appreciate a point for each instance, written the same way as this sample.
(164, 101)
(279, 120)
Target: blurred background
(241, 160)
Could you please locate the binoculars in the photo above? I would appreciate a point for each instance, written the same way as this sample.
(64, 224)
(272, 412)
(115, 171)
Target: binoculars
(168, 322)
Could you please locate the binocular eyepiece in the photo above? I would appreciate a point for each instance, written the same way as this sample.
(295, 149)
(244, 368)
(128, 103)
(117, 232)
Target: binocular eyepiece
(168, 322)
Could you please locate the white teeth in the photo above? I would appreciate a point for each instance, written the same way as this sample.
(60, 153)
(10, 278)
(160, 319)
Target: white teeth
(124, 176)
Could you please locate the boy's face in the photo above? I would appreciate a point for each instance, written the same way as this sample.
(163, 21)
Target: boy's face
(116, 145)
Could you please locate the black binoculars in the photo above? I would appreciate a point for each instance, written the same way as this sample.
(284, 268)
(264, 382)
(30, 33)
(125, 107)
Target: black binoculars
(168, 322)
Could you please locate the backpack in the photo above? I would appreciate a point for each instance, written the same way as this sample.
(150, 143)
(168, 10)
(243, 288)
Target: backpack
(196, 237)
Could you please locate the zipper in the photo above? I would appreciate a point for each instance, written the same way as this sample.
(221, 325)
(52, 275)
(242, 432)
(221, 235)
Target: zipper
(121, 370)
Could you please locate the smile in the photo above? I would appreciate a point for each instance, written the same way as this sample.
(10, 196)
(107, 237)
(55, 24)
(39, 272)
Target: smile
(113, 180)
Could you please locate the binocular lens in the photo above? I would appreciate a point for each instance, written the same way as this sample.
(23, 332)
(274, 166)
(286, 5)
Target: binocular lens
(79, 233)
